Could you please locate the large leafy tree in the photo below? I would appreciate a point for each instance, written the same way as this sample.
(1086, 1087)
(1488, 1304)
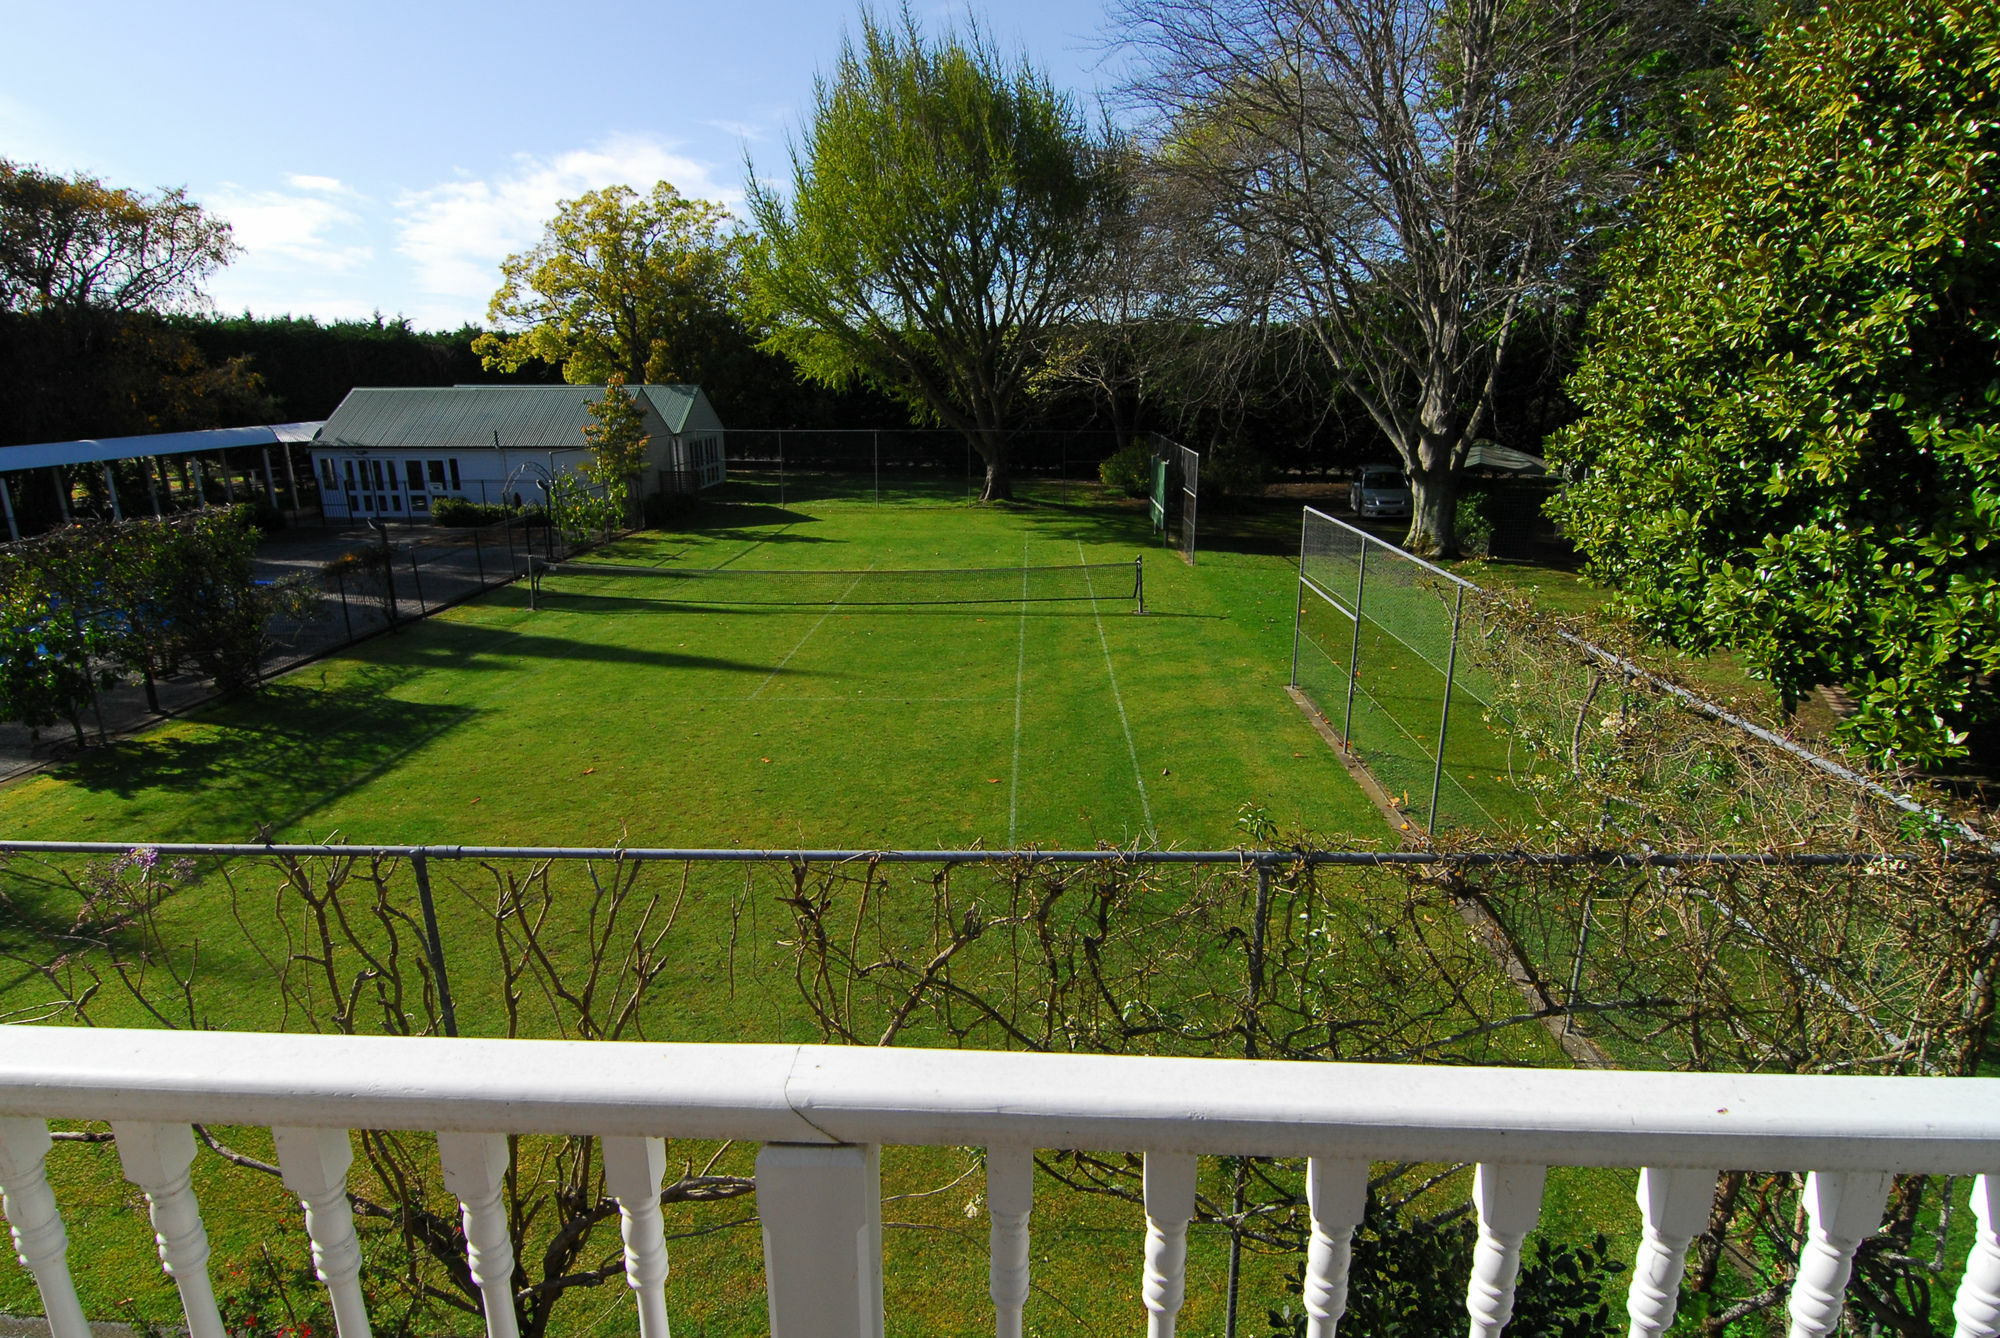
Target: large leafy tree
(947, 210)
(1791, 440)
(75, 243)
(644, 286)
(89, 274)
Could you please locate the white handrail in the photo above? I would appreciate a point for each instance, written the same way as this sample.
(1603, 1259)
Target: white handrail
(835, 1094)
(822, 1114)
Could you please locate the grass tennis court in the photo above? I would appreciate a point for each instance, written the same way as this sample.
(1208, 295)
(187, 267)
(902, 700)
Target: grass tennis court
(621, 709)
(608, 714)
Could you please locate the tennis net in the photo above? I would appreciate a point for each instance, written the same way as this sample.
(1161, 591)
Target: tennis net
(872, 587)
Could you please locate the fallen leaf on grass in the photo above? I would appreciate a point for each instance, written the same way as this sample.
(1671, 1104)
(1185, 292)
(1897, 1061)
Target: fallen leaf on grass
(588, 770)
(763, 759)
(993, 780)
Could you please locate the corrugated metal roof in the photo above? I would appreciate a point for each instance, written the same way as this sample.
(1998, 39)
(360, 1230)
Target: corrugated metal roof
(540, 418)
(93, 450)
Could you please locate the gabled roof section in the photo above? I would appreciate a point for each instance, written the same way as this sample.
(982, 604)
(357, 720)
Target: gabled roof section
(535, 418)
(673, 403)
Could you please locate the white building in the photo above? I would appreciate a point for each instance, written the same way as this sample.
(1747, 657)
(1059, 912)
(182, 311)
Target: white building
(392, 453)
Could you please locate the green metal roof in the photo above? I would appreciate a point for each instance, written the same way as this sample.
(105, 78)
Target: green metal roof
(539, 418)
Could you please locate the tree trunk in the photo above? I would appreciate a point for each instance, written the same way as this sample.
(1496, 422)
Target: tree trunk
(992, 446)
(1433, 481)
(1433, 512)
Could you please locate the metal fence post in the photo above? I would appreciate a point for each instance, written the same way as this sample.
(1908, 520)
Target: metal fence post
(1354, 649)
(1576, 968)
(1299, 602)
(478, 558)
(781, 466)
(1444, 716)
(417, 579)
(878, 464)
(345, 617)
(433, 944)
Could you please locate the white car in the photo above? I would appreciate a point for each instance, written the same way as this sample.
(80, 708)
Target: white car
(1379, 491)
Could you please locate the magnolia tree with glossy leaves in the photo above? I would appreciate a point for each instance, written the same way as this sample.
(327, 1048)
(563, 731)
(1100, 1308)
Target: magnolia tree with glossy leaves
(1791, 437)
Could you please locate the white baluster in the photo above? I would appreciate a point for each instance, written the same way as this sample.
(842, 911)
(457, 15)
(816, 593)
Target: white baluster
(1010, 1196)
(821, 1209)
(1169, 1181)
(1509, 1200)
(1978, 1305)
(156, 1158)
(633, 1169)
(1337, 1196)
(475, 1166)
(39, 1239)
(1675, 1205)
(315, 1162)
(1842, 1210)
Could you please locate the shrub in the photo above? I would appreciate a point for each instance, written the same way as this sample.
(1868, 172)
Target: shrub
(1474, 525)
(1130, 470)
(456, 511)
(1232, 471)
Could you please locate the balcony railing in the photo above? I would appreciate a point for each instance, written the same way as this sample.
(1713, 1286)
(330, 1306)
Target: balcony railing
(823, 1113)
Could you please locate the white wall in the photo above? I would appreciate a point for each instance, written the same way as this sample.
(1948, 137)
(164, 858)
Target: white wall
(475, 474)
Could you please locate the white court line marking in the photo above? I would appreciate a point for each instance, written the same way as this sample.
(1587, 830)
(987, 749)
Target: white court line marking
(1020, 673)
(1145, 804)
(808, 636)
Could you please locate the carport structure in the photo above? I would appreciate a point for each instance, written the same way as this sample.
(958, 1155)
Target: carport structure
(198, 454)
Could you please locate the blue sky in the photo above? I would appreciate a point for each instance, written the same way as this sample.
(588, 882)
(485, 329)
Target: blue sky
(386, 156)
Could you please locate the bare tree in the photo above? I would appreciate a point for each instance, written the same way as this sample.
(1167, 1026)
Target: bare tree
(1411, 176)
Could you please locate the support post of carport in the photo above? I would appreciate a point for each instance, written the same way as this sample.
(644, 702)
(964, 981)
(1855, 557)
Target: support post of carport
(200, 488)
(228, 488)
(270, 485)
(291, 477)
(111, 487)
(7, 503)
(62, 490)
(152, 486)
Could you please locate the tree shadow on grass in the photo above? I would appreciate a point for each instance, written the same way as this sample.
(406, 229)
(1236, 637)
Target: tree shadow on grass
(456, 646)
(269, 759)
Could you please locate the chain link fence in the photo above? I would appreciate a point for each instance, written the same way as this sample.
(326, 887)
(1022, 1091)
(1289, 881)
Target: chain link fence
(913, 465)
(366, 583)
(1375, 649)
(1175, 494)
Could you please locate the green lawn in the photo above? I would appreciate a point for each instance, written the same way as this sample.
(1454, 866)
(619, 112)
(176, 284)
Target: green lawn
(607, 716)
(611, 718)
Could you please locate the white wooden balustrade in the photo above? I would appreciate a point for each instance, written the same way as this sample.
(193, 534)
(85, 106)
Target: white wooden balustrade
(822, 1115)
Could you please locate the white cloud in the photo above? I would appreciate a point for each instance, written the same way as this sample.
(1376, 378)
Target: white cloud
(456, 233)
(290, 229)
(324, 185)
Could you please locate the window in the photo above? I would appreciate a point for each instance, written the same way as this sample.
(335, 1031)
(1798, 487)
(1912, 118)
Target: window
(414, 471)
(437, 475)
(350, 472)
(453, 462)
(327, 473)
